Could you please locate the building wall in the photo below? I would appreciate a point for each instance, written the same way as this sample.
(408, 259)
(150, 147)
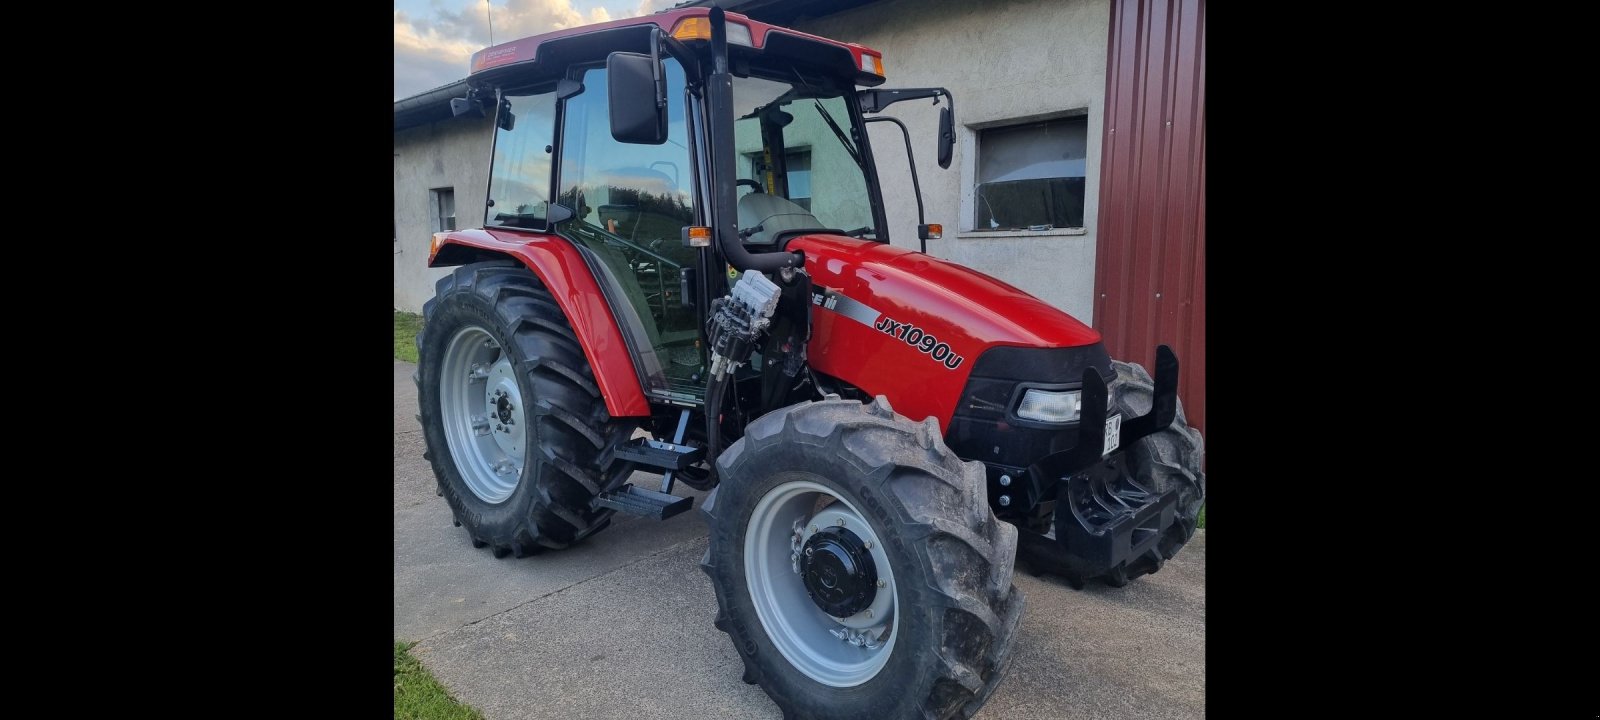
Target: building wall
(1153, 252)
(450, 153)
(1005, 61)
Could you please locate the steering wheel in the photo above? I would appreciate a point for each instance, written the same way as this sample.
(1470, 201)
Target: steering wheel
(754, 185)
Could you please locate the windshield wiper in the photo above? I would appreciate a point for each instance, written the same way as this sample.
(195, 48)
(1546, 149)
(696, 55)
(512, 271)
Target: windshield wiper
(848, 147)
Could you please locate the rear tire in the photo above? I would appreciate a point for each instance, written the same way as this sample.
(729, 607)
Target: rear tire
(1168, 459)
(954, 610)
(501, 315)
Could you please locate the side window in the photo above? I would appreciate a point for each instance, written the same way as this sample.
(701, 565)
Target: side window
(442, 208)
(519, 184)
(631, 203)
(1031, 175)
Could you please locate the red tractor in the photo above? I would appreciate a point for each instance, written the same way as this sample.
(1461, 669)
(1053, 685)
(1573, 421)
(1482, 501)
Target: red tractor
(879, 430)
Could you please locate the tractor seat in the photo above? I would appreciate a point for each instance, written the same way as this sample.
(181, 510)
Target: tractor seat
(775, 216)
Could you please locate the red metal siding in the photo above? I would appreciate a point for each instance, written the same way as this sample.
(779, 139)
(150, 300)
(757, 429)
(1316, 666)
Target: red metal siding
(1150, 269)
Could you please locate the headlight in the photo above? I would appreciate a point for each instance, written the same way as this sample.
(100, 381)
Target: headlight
(1051, 406)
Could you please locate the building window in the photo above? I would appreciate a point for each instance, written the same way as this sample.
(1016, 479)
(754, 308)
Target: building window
(798, 163)
(1031, 176)
(442, 209)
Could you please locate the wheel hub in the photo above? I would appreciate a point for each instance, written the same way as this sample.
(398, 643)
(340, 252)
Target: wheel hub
(483, 414)
(840, 576)
(503, 408)
(832, 613)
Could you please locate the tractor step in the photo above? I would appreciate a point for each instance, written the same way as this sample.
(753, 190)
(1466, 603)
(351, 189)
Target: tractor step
(656, 454)
(639, 501)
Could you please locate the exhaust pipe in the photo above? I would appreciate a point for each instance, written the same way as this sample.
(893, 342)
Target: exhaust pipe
(724, 191)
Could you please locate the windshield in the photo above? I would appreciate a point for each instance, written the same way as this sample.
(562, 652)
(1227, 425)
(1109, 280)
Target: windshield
(794, 145)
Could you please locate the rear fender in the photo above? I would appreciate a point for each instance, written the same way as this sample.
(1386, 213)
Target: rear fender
(562, 270)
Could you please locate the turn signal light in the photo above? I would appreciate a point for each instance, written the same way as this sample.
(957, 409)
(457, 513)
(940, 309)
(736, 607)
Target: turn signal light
(433, 247)
(935, 231)
(699, 28)
(697, 236)
(872, 64)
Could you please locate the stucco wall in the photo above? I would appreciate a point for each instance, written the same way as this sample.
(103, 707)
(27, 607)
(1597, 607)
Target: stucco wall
(1005, 61)
(452, 153)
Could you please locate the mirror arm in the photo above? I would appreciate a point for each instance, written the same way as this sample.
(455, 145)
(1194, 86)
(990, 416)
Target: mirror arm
(677, 49)
(876, 100)
(916, 188)
(472, 103)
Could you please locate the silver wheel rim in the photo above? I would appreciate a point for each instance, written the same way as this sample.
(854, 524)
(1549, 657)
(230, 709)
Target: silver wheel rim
(838, 652)
(483, 412)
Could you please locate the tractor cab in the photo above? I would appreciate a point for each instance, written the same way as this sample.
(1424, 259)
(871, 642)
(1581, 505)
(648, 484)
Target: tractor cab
(615, 138)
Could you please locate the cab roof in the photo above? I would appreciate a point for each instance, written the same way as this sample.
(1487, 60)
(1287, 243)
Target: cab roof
(548, 55)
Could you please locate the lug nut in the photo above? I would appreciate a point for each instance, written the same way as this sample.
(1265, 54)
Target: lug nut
(883, 583)
(1005, 481)
(1005, 500)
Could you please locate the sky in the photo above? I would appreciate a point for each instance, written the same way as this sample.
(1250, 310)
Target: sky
(434, 39)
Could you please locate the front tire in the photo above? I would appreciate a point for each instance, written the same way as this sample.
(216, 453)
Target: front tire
(940, 561)
(512, 418)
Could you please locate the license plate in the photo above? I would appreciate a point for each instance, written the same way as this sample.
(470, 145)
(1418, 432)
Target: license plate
(1113, 434)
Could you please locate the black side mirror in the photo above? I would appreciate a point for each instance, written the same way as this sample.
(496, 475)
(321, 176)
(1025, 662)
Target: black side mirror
(947, 137)
(636, 89)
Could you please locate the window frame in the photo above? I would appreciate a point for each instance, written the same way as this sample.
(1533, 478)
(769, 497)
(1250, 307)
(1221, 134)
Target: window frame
(969, 173)
(547, 87)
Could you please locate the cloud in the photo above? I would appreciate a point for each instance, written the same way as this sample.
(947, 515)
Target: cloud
(433, 51)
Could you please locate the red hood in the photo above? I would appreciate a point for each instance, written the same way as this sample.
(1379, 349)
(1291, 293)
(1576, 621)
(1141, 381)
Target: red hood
(960, 307)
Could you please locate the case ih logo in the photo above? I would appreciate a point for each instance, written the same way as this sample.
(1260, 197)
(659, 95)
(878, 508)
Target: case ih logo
(912, 335)
(926, 342)
(491, 58)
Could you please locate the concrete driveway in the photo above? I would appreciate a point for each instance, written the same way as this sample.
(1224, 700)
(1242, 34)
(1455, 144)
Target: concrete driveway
(620, 626)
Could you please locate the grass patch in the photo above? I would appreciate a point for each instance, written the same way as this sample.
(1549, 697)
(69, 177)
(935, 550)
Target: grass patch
(1201, 523)
(417, 696)
(406, 327)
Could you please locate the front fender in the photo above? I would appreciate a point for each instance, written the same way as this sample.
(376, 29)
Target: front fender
(568, 278)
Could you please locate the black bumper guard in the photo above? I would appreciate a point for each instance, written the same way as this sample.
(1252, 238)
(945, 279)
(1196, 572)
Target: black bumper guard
(1119, 521)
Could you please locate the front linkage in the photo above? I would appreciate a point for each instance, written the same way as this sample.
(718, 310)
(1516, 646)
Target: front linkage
(1122, 526)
